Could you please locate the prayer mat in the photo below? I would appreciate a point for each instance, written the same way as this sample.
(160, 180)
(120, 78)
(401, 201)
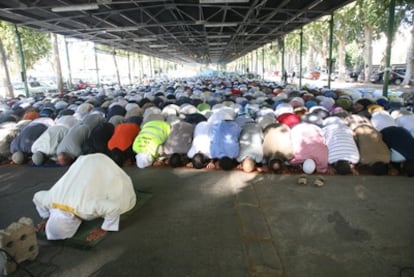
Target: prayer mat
(79, 239)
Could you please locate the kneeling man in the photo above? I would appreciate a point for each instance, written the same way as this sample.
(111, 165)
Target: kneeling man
(94, 186)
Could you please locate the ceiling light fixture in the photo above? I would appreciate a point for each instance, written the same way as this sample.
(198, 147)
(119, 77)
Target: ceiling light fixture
(122, 29)
(220, 24)
(158, 45)
(222, 1)
(144, 39)
(71, 8)
(219, 36)
(217, 43)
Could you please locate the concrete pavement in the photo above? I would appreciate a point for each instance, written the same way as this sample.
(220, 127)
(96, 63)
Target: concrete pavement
(216, 223)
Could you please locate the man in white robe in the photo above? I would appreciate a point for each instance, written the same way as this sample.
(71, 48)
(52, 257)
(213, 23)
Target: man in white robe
(46, 145)
(94, 186)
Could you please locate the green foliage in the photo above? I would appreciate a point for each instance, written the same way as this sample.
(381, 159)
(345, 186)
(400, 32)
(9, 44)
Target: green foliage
(353, 55)
(36, 45)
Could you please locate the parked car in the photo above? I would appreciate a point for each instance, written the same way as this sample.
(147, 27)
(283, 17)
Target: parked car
(351, 76)
(312, 75)
(396, 76)
(35, 88)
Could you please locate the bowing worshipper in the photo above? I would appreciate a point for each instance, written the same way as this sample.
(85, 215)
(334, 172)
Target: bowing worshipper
(404, 119)
(199, 153)
(46, 145)
(277, 147)
(71, 145)
(8, 131)
(178, 142)
(343, 152)
(225, 147)
(251, 150)
(21, 146)
(400, 142)
(374, 154)
(308, 142)
(120, 144)
(93, 187)
(97, 142)
(147, 145)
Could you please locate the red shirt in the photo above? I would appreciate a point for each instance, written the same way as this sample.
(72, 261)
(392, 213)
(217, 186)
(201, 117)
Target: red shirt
(289, 119)
(123, 136)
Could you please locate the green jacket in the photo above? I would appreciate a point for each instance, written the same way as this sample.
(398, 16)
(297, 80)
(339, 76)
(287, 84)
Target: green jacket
(152, 135)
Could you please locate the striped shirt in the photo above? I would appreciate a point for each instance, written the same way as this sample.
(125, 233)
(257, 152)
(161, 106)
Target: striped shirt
(341, 144)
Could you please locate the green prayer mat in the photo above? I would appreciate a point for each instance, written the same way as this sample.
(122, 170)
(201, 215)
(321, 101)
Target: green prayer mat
(79, 239)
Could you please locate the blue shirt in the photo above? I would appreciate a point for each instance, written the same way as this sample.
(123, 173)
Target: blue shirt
(225, 139)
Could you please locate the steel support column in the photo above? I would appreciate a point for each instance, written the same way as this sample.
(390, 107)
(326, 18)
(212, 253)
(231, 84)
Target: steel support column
(390, 33)
(70, 86)
(331, 25)
(96, 67)
(21, 61)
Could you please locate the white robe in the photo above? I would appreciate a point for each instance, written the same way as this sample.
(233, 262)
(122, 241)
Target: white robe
(94, 186)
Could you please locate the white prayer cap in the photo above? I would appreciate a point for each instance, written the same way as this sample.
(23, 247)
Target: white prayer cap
(18, 157)
(61, 225)
(38, 158)
(309, 166)
(144, 160)
(283, 108)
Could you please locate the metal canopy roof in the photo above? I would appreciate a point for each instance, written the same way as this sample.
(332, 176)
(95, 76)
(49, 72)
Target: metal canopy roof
(202, 31)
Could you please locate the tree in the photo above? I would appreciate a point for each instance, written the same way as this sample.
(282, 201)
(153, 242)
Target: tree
(345, 26)
(57, 65)
(292, 46)
(409, 20)
(317, 35)
(373, 16)
(9, 90)
(36, 45)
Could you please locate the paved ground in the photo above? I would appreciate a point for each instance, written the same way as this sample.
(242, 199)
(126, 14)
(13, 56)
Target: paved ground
(215, 223)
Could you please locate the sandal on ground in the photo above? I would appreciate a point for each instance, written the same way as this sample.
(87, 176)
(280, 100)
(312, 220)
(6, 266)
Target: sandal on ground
(303, 180)
(319, 181)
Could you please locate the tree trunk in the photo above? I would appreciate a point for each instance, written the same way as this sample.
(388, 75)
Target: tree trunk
(310, 57)
(368, 52)
(325, 48)
(9, 87)
(341, 58)
(58, 67)
(409, 61)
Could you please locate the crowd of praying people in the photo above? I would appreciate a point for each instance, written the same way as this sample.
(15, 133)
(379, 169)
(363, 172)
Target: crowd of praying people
(216, 123)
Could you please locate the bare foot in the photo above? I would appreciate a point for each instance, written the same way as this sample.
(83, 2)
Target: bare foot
(261, 169)
(393, 172)
(211, 165)
(331, 171)
(96, 234)
(189, 165)
(354, 171)
(41, 226)
(157, 163)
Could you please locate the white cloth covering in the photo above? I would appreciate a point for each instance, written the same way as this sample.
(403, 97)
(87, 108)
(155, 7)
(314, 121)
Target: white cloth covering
(61, 225)
(94, 186)
(143, 160)
(201, 139)
(381, 120)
